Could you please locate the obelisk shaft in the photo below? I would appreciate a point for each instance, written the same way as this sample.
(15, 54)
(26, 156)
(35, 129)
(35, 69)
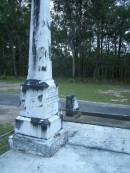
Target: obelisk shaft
(40, 65)
(39, 127)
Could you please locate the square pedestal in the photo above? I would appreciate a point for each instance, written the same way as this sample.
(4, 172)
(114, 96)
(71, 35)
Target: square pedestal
(38, 129)
(36, 146)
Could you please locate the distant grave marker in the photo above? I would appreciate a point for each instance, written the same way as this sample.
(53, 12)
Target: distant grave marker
(72, 106)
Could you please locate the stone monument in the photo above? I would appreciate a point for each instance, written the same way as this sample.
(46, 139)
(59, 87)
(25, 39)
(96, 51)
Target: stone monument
(72, 106)
(39, 127)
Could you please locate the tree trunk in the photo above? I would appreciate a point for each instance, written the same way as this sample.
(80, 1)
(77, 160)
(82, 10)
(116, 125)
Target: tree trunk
(73, 61)
(13, 51)
(73, 67)
(101, 38)
(120, 45)
(21, 63)
(98, 40)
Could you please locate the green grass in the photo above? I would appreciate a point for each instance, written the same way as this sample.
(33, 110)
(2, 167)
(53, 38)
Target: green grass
(11, 90)
(91, 90)
(84, 90)
(8, 79)
(4, 141)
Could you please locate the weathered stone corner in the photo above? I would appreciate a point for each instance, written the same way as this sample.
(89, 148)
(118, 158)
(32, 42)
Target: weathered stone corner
(36, 146)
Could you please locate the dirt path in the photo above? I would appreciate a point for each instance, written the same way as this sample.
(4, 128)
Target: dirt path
(8, 114)
(9, 86)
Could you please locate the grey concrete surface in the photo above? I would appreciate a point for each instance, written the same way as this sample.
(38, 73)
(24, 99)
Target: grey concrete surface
(99, 137)
(77, 156)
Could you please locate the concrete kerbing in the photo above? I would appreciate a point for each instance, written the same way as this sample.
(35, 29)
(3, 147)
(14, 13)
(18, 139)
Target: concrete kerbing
(36, 146)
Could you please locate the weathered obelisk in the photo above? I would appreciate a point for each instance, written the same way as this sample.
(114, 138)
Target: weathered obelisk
(39, 127)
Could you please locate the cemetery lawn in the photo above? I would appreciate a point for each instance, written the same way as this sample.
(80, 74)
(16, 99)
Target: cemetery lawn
(105, 91)
(96, 91)
(11, 80)
(4, 129)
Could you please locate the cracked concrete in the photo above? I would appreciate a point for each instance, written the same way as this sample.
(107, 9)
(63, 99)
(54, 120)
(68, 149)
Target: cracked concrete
(79, 154)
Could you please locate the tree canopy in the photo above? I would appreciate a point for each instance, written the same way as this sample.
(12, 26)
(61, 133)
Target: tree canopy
(90, 38)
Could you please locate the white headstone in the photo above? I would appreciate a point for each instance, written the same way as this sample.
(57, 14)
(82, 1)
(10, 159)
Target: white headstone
(39, 121)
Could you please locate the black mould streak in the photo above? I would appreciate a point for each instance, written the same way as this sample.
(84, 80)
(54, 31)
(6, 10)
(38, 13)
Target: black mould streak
(36, 25)
(34, 85)
(18, 123)
(41, 106)
(43, 68)
(61, 117)
(48, 25)
(40, 58)
(40, 98)
(36, 12)
(43, 24)
(34, 49)
(45, 54)
(35, 121)
(22, 100)
(39, 122)
(44, 124)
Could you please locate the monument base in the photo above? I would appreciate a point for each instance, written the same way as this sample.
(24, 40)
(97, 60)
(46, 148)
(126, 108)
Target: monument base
(36, 146)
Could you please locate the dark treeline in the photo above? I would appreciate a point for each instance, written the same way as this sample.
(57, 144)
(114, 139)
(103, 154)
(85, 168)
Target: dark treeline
(14, 36)
(90, 38)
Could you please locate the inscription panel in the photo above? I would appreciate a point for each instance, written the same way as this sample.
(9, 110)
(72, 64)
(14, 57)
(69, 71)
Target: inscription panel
(52, 100)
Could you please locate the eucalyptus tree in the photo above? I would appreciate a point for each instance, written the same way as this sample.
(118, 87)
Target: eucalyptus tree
(70, 18)
(14, 30)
